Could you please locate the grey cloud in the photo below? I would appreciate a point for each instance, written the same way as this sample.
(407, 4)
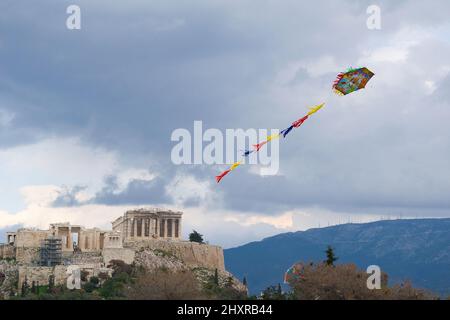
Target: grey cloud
(137, 192)
(67, 197)
(131, 76)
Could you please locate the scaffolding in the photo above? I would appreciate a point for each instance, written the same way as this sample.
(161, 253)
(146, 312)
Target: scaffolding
(51, 253)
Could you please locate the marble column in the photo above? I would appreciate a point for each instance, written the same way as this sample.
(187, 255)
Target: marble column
(69, 238)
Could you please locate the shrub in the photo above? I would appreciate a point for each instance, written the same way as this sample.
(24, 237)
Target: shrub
(194, 236)
(120, 267)
(347, 282)
(164, 285)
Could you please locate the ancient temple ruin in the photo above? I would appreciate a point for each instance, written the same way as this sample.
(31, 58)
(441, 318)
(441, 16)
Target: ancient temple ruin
(148, 223)
(134, 225)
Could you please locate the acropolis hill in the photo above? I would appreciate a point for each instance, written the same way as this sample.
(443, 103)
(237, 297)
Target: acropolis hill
(139, 236)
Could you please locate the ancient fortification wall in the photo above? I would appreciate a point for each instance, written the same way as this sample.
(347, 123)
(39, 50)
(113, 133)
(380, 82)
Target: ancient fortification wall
(30, 238)
(191, 253)
(42, 275)
(7, 251)
(27, 255)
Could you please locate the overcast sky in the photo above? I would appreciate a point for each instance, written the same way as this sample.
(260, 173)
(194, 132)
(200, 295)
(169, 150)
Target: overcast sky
(86, 115)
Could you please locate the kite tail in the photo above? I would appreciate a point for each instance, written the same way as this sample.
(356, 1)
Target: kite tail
(247, 153)
(223, 174)
(259, 145)
(299, 122)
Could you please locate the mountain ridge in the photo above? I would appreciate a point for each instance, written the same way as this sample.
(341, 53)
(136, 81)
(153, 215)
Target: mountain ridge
(415, 249)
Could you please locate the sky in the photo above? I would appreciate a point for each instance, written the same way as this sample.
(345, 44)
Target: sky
(86, 116)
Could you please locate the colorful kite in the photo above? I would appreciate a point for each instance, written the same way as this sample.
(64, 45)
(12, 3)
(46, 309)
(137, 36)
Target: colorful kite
(346, 82)
(352, 80)
(257, 147)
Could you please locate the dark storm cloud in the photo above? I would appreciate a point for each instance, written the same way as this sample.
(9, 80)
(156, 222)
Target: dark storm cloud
(137, 71)
(137, 192)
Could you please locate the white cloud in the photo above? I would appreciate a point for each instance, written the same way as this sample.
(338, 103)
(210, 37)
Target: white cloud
(63, 162)
(430, 86)
(186, 187)
(283, 221)
(41, 196)
(57, 160)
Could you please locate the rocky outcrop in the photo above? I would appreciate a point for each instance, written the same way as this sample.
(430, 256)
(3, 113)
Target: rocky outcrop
(153, 259)
(9, 275)
(157, 259)
(124, 254)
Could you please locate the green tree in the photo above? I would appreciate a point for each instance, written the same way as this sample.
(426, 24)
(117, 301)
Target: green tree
(279, 291)
(194, 236)
(273, 293)
(244, 281)
(2, 278)
(216, 277)
(51, 283)
(331, 258)
(25, 287)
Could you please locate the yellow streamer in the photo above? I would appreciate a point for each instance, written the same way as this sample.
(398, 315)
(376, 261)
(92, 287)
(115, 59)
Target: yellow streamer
(235, 165)
(315, 109)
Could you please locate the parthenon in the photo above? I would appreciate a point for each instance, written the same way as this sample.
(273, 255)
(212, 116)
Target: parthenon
(148, 223)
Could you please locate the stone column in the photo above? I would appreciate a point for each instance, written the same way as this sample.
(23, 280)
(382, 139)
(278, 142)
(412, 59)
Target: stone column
(176, 230)
(81, 244)
(69, 238)
(165, 228)
(128, 226)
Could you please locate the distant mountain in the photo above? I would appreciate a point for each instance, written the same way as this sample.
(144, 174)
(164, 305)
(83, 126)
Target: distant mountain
(418, 250)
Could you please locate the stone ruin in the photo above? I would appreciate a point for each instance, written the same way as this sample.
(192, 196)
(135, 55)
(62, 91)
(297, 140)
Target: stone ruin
(43, 254)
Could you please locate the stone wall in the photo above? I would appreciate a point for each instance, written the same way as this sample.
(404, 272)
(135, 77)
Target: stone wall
(191, 253)
(42, 275)
(30, 238)
(125, 254)
(82, 258)
(7, 251)
(27, 255)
